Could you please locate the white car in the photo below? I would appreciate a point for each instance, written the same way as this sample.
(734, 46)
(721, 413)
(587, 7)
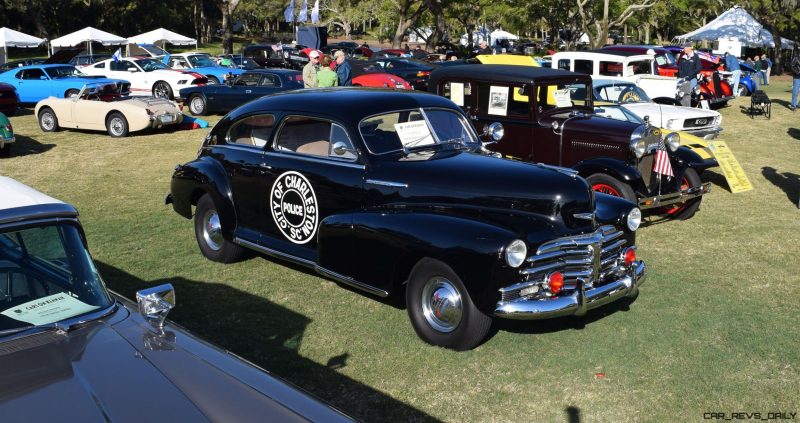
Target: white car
(203, 64)
(698, 122)
(640, 69)
(148, 77)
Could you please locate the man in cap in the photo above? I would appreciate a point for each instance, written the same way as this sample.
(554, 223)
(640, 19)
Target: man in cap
(732, 65)
(689, 66)
(343, 68)
(310, 70)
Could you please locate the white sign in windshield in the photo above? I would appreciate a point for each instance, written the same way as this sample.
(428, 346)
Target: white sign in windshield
(414, 133)
(48, 309)
(563, 98)
(457, 93)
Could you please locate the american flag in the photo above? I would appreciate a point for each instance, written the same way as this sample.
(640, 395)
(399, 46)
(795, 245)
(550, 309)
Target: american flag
(662, 164)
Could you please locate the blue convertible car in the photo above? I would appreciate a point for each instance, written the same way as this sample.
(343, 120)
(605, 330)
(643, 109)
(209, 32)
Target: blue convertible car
(202, 64)
(248, 86)
(37, 82)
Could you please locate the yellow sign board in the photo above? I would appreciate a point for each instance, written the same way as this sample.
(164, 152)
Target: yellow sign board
(734, 174)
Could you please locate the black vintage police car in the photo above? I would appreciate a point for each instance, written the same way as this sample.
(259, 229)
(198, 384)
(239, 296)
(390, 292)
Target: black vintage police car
(391, 192)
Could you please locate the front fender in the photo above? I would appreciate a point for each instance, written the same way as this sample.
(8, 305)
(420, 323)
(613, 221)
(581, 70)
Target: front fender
(389, 243)
(684, 157)
(613, 210)
(203, 176)
(612, 167)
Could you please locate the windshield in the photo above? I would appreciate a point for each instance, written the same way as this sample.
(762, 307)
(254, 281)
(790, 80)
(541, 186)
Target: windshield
(46, 275)
(201, 61)
(149, 65)
(63, 72)
(622, 93)
(408, 129)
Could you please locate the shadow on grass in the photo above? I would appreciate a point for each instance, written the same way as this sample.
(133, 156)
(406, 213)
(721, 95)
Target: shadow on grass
(22, 111)
(716, 179)
(788, 182)
(270, 336)
(26, 146)
(561, 323)
(573, 414)
(794, 133)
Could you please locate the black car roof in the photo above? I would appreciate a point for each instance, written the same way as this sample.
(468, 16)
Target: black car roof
(278, 71)
(506, 73)
(346, 103)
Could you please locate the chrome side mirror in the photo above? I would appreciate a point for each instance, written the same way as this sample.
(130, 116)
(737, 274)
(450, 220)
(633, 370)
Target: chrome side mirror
(155, 303)
(340, 149)
(493, 131)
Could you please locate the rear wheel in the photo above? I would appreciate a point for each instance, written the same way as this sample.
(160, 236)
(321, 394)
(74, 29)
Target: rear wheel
(197, 105)
(686, 209)
(610, 185)
(208, 232)
(117, 125)
(48, 120)
(441, 310)
(212, 79)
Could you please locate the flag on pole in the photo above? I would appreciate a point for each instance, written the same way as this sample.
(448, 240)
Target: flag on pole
(117, 56)
(302, 15)
(315, 12)
(662, 165)
(288, 14)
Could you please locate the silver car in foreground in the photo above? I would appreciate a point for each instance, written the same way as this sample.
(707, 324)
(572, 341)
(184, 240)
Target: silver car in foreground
(72, 351)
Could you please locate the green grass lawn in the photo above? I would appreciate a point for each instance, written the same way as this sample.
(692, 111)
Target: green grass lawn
(715, 328)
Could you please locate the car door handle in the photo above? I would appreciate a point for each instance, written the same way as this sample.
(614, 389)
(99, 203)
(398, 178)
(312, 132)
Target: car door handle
(265, 166)
(248, 91)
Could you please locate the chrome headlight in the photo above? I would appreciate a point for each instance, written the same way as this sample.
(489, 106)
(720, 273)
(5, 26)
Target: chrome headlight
(673, 141)
(515, 253)
(637, 142)
(634, 219)
(673, 123)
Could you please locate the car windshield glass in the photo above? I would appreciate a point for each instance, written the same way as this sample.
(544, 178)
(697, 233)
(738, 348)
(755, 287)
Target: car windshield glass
(617, 113)
(622, 93)
(201, 61)
(63, 72)
(149, 65)
(46, 276)
(559, 96)
(408, 129)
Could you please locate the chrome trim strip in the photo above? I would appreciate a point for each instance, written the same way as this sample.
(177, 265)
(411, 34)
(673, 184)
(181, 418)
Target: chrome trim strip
(387, 183)
(351, 282)
(273, 253)
(336, 162)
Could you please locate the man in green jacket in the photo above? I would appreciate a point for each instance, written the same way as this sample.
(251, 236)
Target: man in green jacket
(310, 70)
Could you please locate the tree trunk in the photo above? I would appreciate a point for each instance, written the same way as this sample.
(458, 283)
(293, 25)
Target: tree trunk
(402, 26)
(777, 69)
(647, 33)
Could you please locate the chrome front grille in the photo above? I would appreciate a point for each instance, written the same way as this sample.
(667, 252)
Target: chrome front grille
(698, 122)
(595, 258)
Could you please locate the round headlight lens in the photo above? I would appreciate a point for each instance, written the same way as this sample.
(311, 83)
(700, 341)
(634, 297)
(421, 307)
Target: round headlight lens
(634, 219)
(637, 142)
(516, 252)
(673, 141)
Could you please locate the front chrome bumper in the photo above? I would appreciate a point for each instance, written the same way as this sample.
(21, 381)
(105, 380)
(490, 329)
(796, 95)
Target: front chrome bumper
(4, 141)
(706, 133)
(674, 197)
(579, 302)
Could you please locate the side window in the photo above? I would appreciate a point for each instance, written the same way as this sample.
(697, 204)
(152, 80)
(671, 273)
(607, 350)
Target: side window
(306, 135)
(611, 68)
(563, 64)
(270, 81)
(338, 138)
(458, 92)
(502, 100)
(101, 65)
(584, 66)
(252, 131)
(121, 66)
(248, 80)
(32, 74)
(20, 75)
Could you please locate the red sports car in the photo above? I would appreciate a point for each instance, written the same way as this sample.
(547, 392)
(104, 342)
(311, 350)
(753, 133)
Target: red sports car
(9, 100)
(369, 74)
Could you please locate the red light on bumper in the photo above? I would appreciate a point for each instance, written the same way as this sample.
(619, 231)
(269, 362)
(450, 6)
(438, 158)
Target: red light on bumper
(555, 281)
(630, 256)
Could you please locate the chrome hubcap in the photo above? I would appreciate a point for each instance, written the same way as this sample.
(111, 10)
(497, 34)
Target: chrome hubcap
(441, 304)
(116, 126)
(212, 231)
(160, 91)
(197, 105)
(47, 121)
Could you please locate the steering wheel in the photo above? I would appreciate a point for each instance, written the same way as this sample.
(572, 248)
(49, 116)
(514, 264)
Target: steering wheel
(629, 95)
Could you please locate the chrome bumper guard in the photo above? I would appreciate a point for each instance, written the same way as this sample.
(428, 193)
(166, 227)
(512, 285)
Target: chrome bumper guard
(674, 197)
(706, 134)
(158, 121)
(579, 302)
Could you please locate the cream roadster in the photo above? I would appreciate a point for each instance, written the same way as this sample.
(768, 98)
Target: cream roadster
(103, 107)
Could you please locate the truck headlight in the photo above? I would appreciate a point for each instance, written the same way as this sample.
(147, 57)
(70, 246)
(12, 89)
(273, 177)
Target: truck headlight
(634, 219)
(637, 142)
(673, 141)
(516, 252)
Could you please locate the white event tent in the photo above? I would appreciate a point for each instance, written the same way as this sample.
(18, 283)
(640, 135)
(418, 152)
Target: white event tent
(499, 34)
(11, 38)
(87, 35)
(164, 36)
(734, 23)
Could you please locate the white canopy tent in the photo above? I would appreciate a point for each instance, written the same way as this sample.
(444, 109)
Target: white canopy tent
(164, 36)
(87, 35)
(734, 23)
(499, 34)
(11, 38)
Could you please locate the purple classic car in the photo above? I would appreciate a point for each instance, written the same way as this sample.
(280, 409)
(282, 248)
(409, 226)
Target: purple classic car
(73, 351)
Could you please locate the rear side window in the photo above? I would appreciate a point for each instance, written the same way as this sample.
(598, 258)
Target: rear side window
(563, 64)
(248, 79)
(100, 65)
(270, 81)
(611, 68)
(314, 137)
(32, 74)
(253, 131)
(501, 100)
(584, 67)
